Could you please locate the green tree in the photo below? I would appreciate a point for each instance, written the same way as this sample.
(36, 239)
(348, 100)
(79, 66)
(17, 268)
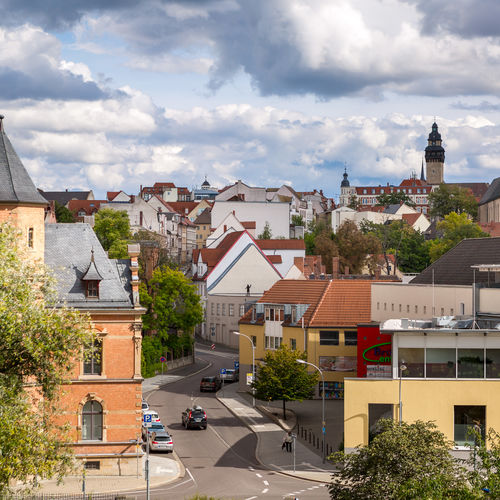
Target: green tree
(386, 199)
(63, 214)
(326, 247)
(280, 377)
(298, 220)
(112, 227)
(449, 198)
(403, 461)
(398, 238)
(354, 246)
(484, 461)
(171, 301)
(454, 228)
(39, 342)
(266, 234)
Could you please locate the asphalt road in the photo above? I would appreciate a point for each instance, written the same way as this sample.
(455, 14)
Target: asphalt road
(219, 461)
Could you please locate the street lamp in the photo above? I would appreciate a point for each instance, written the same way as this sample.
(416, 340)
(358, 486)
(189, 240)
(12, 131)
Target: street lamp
(402, 368)
(253, 364)
(323, 423)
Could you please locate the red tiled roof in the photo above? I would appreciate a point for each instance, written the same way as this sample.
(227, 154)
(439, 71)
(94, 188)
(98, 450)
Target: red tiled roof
(413, 182)
(411, 218)
(345, 303)
(281, 244)
(183, 190)
(249, 224)
(275, 259)
(164, 184)
(89, 206)
(211, 256)
(111, 195)
(180, 206)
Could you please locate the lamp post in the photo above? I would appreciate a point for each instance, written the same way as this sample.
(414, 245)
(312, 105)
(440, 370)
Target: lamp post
(402, 368)
(253, 364)
(323, 423)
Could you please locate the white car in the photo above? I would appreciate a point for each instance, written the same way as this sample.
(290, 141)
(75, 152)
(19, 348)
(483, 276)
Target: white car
(145, 406)
(149, 417)
(161, 441)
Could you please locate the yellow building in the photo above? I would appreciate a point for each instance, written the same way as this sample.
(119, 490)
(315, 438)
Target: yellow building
(450, 376)
(316, 316)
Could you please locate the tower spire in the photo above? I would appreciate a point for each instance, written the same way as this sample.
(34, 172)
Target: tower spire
(422, 172)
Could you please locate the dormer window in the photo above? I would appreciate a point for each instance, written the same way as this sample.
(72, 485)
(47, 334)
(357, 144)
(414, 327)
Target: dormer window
(93, 289)
(91, 279)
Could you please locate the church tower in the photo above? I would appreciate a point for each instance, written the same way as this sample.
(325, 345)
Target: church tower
(20, 202)
(434, 157)
(346, 191)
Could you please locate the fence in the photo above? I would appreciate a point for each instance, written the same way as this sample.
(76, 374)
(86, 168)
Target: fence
(309, 437)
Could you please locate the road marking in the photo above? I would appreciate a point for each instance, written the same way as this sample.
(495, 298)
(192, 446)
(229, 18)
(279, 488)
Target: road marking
(258, 475)
(190, 475)
(265, 490)
(251, 468)
(250, 498)
(266, 483)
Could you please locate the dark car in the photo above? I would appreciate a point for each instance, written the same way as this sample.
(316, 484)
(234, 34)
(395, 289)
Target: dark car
(210, 384)
(194, 417)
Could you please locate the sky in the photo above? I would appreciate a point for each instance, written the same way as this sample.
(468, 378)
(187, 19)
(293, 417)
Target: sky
(110, 95)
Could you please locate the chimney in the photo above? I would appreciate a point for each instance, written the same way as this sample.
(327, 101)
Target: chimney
(225, 228)
(335, 267)
(133, 252)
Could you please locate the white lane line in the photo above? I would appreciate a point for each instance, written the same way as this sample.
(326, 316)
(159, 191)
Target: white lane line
(251, 468)
(265, 490)
(258, 475)
(250, 498)
(266, 483)
(190, 475)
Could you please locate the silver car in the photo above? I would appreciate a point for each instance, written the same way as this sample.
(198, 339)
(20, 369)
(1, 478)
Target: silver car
(161, 441)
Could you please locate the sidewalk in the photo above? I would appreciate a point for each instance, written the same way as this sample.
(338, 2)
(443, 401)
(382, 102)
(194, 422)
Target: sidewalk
(308, 465)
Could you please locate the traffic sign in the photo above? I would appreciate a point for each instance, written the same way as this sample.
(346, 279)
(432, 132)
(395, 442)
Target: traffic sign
(236, 365)
(222, 371)
(163, 359)
(147, 418)
(212, 347)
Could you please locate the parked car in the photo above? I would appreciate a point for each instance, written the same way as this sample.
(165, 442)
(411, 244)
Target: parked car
(161, 441)
(153, 427)
(231, 375)
(150, 417)
(210, 384)
(145, 406)
(194, 417)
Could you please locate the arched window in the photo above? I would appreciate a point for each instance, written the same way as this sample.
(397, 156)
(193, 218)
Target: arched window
(92, 421)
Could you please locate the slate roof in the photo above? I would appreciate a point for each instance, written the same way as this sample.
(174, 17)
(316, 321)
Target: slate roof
(68, 250)
(392, 209)
(454, 267)
(16, 185)
(281, 244)
(492, 193)
(64, 197)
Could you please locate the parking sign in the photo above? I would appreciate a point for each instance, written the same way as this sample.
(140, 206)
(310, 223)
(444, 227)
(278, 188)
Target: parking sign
(222, 371)
(147, 418)
(236, 365)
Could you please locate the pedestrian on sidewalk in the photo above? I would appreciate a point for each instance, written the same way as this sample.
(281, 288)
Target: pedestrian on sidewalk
(283, 444)
(288, 441)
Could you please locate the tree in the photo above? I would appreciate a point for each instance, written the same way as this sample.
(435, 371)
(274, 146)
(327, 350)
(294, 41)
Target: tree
(386, 199)
(449, 198)
(63, 214)
(298, 220)
(326, 247)
(398, 238)
(403, 461)
(266, 234)
(280, 377)
(171, 301)
(354, 246)
(39, 342)
(455, 228)
(112, 227)
(484, 462)
(354, 202)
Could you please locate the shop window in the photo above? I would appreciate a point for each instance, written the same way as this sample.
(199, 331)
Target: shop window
(440, 363)
(492, 363)
(92, 421)
(92, 359)
(328, 338)
(333, 390)
(351, 338)
(468, 420)
(375, 413)
(413, 359)
(470, 363)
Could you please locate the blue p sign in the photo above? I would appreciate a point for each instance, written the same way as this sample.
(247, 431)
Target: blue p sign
(147, 418)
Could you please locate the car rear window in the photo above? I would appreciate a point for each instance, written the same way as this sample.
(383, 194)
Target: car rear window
(162, 438)
(208, 379)
(197, 412)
